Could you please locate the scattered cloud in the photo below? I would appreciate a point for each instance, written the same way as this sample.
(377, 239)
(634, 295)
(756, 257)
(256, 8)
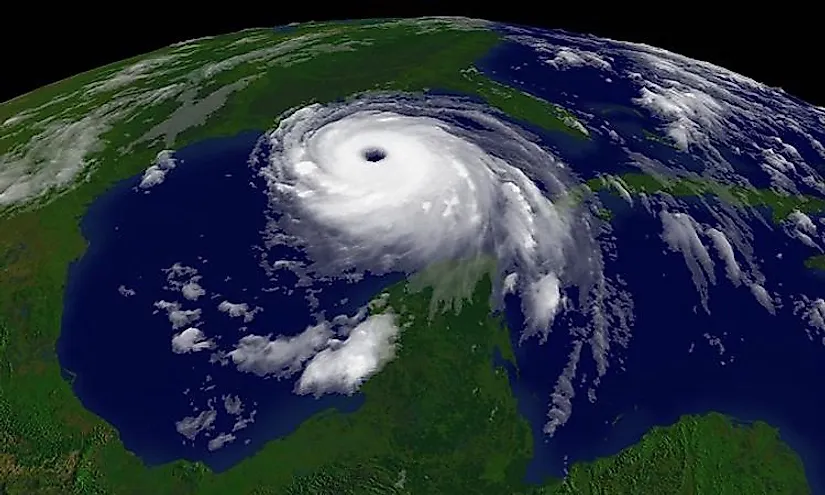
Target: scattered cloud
(232, 404)
(679, 232)
(568, 58)
(546, 300)
(282, 356)
(191, 340)
(803, 228)
(725, 251)
(192, 290)
(178, 271)
(192, 426)
(689, 112)
(184, 279)
(220, 440)
(239, 310)
(125, 291)
(52, 158)
(561, 400)
(345, 365)
(156, 173)
(813, 311)
(178, 317)
(241, 423)
(619, 185)
(763, 297)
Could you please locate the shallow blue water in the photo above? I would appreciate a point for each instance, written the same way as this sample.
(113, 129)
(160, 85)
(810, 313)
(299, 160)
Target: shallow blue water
(207, 215)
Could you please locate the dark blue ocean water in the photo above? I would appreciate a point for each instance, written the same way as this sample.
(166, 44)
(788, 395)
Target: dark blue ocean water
(207, 215)
(606, 100)
(776, 373)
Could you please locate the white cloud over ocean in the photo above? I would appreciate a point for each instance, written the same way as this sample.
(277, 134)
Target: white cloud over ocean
(329, 361)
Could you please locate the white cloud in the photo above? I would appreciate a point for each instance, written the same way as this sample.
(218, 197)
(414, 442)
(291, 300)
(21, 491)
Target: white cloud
(191, 340)
(178, 317)
(192, 426)
(561, 400)
(777, 161)
(680, 234)
(509, 283)
(125, 291)
(179, 270)
(779, 178)
(53, 157)
(619, 185)
(156, 173)
(763, 297)
(69, 129)
(546, 299)
(239, 310)
(220, 440)
(345, 365)
(140, 70)
(233, 404)
(690, 112)
(235, 407)
(567, 58)
(814, 313)
(725, 251)
(282, 356)
(192, 290)
(802, 222)
(184, 279)
(242, 423)
(803, 228)
(711, 109)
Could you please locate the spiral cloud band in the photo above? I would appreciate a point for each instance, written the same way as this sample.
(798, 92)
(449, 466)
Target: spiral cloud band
(388, 182)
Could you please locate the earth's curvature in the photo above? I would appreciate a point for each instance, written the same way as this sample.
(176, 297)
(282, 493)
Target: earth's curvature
(432, 255)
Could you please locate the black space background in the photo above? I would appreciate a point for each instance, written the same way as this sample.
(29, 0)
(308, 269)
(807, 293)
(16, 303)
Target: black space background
(780, 46)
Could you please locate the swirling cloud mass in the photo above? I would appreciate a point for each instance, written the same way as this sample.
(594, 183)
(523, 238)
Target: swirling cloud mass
(397, 183)
(388, 182)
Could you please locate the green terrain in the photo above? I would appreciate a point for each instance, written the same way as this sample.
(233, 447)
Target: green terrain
(439, 419)
(779, 205)
(816, 262)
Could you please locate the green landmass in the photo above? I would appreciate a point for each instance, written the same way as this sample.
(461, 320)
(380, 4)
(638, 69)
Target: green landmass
(43, 425)
(438, 419)
(523, 106)
(816, 262)
(441, 419)
(780, 205)
(604, 213)
(698, 454)
(650, 136)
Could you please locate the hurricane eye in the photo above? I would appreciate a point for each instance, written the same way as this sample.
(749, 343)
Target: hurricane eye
(374, 154)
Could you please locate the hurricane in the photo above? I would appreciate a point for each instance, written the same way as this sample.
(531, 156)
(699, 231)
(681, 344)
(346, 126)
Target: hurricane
(359, 250)
(398, 183)
(388, 182)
